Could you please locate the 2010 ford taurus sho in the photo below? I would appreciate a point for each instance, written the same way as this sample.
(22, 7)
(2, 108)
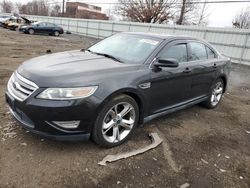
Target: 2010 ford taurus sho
(105, 91)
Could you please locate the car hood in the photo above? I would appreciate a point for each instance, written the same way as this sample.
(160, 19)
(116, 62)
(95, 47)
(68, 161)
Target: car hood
(72, 69)
(26, 20)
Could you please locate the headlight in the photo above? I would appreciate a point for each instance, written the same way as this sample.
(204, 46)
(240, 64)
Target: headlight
(67, 93)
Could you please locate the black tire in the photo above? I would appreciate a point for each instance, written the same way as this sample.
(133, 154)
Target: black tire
(97, 134)
(31, 31)
(208, 103)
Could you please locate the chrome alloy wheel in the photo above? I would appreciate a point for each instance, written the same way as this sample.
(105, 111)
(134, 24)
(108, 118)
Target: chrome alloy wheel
(217, 94)
(56, 33)
(118, 122)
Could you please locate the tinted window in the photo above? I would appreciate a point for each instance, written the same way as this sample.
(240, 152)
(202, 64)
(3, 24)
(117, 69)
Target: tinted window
(198, 51)
(51, 25)
(210, 53)
(178, 52)
(41, 24)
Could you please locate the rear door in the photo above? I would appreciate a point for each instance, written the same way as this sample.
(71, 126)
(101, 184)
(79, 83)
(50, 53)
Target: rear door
(170, 87)
(203, 65)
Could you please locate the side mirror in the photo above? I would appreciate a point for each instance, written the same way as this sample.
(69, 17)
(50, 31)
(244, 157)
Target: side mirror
(170, 62)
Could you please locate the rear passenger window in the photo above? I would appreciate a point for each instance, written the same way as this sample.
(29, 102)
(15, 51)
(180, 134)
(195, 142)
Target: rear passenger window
(50, 25)
(178, 52)
(210, 53)
(198, 51)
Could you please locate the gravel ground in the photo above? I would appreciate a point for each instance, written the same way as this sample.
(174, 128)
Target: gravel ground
(201, 148)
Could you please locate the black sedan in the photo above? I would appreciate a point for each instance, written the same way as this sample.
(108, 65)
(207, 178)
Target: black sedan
(42, 28)
(107, 90)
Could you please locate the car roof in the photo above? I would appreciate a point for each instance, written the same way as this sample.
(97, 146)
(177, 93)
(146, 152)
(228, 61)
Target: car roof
(39, 22)
(162, 36)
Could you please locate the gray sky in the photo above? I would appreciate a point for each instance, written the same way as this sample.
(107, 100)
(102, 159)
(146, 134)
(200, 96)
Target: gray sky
(220, 15)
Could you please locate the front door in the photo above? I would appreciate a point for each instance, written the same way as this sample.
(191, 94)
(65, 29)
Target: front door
(170, 87)
(41, 28)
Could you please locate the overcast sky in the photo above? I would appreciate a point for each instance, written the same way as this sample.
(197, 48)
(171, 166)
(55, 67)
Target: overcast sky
(220, 15)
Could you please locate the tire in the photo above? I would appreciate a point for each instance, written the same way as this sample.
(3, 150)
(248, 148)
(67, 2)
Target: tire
(31, 31)
(109, 129)
(56, 33)
(215, 94)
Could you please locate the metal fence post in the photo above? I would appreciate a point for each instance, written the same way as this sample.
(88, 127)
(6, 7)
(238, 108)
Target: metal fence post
(68, 24)
(112, 28)
(205, 34)
(77, 31)
(247, 37)
(174, 29)
(98, 32)
(87, 28)
(149, 28)
(61, 22)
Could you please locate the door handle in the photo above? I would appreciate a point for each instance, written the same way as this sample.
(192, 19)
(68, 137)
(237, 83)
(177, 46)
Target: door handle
(215, 65)
(187, 70)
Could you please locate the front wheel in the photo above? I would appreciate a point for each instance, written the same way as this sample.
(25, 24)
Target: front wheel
(216, 93)
(31, 31)
(116, 121)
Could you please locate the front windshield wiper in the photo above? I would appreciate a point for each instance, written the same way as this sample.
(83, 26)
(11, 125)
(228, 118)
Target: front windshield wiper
(106, 55)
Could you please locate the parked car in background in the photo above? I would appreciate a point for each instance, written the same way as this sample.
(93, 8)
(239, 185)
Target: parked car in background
(22, 21)
(3, 19)
(6, 21)
(42, 28)
(122, 81)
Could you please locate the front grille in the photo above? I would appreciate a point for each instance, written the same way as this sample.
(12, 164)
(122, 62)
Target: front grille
(20, 88)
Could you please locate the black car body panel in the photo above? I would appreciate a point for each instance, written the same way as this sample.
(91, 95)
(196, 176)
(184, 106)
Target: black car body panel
(157, 91)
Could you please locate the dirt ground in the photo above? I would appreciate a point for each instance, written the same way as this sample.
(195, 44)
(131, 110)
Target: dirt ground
(202, 148)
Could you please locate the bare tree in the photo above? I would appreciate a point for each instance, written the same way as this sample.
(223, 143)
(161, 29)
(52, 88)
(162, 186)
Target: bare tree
(242, 19)
(6, 6)
(148, 11)
(185, 7)
(56, 10)
(191, 13)
(36, 7)
(203, 14)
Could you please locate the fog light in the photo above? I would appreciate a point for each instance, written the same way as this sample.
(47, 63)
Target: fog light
(67, 124)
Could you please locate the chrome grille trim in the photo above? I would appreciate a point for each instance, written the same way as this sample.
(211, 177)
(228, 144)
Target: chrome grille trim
(20, 88)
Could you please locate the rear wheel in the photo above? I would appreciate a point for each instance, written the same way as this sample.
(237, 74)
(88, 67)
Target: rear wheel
(216, 93)
(31, 31)
(116, 122)
(56, 33)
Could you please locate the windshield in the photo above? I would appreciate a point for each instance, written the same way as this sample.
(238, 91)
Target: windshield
(126, 47)
(35, 23)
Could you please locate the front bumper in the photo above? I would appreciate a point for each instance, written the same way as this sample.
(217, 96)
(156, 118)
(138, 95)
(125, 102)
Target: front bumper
(37, 115)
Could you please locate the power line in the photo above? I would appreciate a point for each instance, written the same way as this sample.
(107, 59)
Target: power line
(189, 2)
(176, 3)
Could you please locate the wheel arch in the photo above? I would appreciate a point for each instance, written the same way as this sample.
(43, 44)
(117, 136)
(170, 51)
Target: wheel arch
(133, 94)
(224, 79)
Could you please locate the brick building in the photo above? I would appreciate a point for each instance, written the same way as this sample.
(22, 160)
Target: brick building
(83, 10)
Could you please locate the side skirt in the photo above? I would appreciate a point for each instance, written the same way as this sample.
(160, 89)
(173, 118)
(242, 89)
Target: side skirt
(174, 109)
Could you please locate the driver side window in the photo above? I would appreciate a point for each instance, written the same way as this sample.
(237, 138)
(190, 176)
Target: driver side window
(41, 25)
(178, 52)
